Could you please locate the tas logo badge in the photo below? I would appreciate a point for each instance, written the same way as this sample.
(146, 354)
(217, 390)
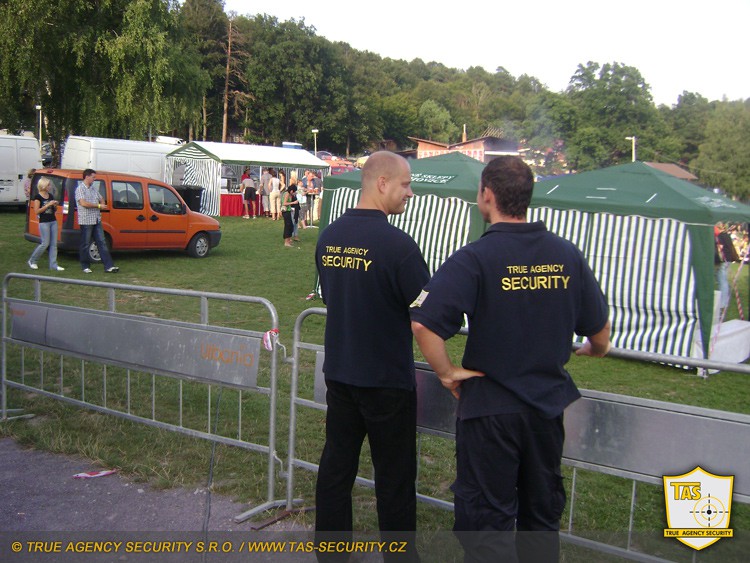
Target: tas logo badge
(698, 506)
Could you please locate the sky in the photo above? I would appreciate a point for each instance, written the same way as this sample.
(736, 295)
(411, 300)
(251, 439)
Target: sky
(677, 46)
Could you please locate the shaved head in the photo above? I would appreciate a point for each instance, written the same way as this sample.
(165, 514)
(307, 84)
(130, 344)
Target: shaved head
(386, 183)
(381, 163)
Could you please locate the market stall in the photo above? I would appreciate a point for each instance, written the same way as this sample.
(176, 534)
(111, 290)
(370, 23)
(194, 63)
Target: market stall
(202, 163)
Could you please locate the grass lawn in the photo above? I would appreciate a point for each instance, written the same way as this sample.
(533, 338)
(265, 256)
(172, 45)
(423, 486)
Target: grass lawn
(252, 260)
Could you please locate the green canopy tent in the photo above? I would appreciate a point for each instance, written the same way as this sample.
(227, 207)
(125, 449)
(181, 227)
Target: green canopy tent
(441, 217)
(649, 238)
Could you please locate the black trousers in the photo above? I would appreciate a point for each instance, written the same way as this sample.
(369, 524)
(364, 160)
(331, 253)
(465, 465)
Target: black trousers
(509, 478)
(388, 418)
(288, 225)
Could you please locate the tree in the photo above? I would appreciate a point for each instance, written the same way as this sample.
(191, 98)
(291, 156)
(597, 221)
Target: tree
(356, 96)
(550, 117)
(612, 102)
(436, 122)
(207, 24)
(235, 82)
(139, 68)
(688, 120)
(98, 68)
(400, 118)
(724, 159)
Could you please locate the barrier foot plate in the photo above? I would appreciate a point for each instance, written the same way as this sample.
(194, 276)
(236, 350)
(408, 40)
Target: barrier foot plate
(17, 417)
(279, 516)
(262, 508)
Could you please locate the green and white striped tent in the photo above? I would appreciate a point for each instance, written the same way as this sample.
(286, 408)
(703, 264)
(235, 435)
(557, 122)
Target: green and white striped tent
(648, 236)
(441, 217)
(203, 161)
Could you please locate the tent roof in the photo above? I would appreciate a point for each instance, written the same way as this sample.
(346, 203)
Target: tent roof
(637, 189)
(453, 174)
(234, 153)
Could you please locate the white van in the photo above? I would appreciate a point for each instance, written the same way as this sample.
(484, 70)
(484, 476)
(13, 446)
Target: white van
(17, 156)
(141, 158)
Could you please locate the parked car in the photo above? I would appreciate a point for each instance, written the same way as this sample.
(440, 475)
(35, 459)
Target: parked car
(141, 214)
(360, 162)
(340, 166)
(46, 154)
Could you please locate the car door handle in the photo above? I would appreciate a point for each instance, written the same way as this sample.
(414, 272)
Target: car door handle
(154, 218)
(140, 218)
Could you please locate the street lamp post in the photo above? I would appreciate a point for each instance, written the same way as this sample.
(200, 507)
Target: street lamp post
(314, 197)
(633, 141)
(39, 109)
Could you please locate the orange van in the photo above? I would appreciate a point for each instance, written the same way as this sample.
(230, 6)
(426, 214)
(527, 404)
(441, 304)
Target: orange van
(141, 214)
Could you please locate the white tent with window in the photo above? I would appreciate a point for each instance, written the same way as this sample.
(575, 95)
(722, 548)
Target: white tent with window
(203, 162)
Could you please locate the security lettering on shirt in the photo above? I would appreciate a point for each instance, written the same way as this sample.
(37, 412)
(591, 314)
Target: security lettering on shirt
(349, 257)
(524, 277)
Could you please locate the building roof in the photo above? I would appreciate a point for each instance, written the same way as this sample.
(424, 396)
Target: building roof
(460, 143)
(674, 170)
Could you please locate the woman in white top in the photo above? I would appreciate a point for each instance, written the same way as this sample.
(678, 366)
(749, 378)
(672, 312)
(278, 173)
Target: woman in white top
(275, 196)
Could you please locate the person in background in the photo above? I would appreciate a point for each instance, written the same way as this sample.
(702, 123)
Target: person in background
(296, 208)
(302, 198)
(27, 183)
(725, 254)
(525, 291)
(370, 271)
(90, 203)
(274, 196)
(287, 211)
(317, 183)
(307, 185)
(265, 178)
(44, 205)
(248, 195)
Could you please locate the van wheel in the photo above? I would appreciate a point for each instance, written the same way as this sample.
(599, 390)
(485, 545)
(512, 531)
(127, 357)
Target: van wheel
(94, 254)
(199, 246)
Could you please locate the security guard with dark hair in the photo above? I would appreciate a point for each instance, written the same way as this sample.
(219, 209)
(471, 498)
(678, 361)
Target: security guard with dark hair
(525, 292)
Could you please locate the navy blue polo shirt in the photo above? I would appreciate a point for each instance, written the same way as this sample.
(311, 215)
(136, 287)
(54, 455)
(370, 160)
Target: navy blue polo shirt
(525, 292)
(370, 272)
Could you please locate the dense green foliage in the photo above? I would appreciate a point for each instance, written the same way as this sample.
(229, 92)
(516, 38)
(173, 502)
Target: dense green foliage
(131, 68)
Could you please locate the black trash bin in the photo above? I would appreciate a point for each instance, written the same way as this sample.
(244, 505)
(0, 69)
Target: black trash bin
(192, 195)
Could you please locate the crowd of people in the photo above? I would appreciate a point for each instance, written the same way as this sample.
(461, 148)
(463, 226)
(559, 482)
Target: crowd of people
(295, 201)
(740, 236)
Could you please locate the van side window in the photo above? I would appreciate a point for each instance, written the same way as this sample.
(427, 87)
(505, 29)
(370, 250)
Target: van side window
(55, 187)
(127, 195)
(102, 187)
(164, 200)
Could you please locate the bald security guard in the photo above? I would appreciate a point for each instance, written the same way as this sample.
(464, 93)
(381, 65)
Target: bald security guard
(370, 272)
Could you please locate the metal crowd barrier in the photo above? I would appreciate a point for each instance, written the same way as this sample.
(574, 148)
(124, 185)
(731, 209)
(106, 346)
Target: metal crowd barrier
(636, 439)
(132, 348)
